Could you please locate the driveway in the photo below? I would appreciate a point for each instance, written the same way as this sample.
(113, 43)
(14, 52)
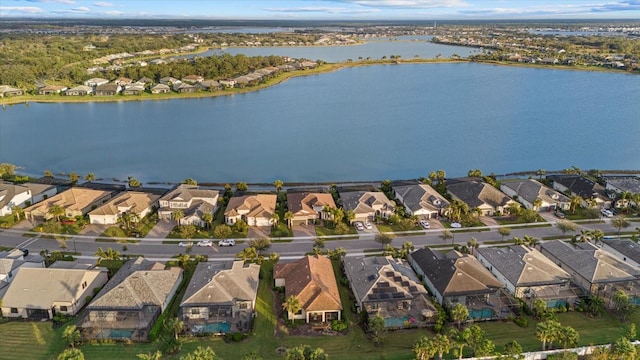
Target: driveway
(93, 230)
(161, 229)
(489, 221)
(258, 232)
(25, 225)
(304, 230)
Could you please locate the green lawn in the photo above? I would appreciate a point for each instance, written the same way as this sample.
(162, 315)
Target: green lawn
(395, 228)
(326, 231)
(29, 340)
(7, 221)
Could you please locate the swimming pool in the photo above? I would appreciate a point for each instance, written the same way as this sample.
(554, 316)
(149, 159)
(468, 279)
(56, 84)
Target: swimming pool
(219, 327)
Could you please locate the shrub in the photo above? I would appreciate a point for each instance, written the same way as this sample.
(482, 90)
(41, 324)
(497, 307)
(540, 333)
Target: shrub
(237, 336)
(338, 325)
(521, 321)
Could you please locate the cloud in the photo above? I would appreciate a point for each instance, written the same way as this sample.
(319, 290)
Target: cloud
(6, 10)
(113, 12)
(78, 10)
(407, 4)
(68, 2)
(321, 9)
(103, 4)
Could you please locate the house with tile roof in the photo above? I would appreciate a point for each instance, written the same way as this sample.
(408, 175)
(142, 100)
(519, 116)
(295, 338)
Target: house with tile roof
(255, 210)
(594, 269)
(526, 191)
(40, 293)
(221, 297)
(478, 194)
(460, 278)
(7, 91)
(367, 205)
(109, 89)
(80, 90)
(311, 280)
(160, 89)
(421, 200)
(135, 203)
(76, 201)
(12, 195)
(129, 304)
(529, 275)
(389, 288)
(581, 186)
(308, 207)
(193, 201)
(94, 82)
(51, 90)
(11, 261)
(40, 192)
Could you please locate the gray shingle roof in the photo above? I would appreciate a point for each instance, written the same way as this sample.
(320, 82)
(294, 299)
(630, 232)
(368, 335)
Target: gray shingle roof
(627, 247)
(421, 196)
(222, 283)
(477, 193)
(529, 190)
(524, 266)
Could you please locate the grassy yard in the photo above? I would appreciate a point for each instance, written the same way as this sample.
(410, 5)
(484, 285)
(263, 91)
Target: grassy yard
(29, 340)
(7, 221)
(395, 228)
(330, 231)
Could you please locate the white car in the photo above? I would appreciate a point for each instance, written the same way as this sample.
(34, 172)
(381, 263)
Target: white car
(205, 243)
(184, 243)
(424, 224)
(456, 225)
(358, 225)
(606, 212)
(226, 242)
(368, 226)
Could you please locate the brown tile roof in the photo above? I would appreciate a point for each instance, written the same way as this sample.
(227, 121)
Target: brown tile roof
(261, 205)
(312, 281)
(132, 201)
(75, 198)
(303, 203)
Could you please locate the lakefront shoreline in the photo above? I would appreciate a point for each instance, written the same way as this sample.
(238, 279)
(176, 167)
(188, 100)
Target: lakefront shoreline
(320, 69)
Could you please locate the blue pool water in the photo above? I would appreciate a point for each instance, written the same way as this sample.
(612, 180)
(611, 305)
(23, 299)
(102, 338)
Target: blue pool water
(396, 322)
(221, 327)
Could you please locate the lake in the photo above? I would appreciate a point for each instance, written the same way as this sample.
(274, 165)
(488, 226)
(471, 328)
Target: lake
(361, 123)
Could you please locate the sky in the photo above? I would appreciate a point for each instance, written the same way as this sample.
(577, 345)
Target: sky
(324, 9)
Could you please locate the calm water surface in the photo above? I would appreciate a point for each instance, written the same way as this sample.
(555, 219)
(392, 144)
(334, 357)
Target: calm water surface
(366, 123)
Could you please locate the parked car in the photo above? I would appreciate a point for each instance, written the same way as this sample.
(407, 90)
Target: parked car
(226, 242)
(368, 226)
(184, 243)
(205, 243)
(358, 225)
(456, 225)
(606, 212)
(560, 214)
(425, 224)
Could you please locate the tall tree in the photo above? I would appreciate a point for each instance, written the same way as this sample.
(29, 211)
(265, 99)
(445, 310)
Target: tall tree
(384, 239)
(201, 353)
(90, 177)
(441, 345)
(177, 215)
(288, 217)
(566, 226)
(377, 328)
(18, 212)
(504, 231)
(133, 182)
(278, 184)
(242, 186)
(423, 349)
(547, 331)
(208, 219)
(48, 173)
(71, 335)
(459, 313)
(292, 305)
(150, 356)
(446, 235)
(620, 222)
(460, 339)
(56, 211)
(190, 181)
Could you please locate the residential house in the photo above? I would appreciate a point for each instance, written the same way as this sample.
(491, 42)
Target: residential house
(76, 201)
(133, 89)
(40, 192)
(623, 184)
(145, 80)
(6, 91)
(367, 205)
(581, 186)
(168, 80)
(389, 288)
(11, 261)
(12, 195)
(307, 206)
(51, 90)
(312, 281)
(192, 200)
(95, 82)
(192, 79)
(40, 293)
(110, 89)
(596, 270)
(255, 210)
(460, 278)
(421, 200)
(80, 90)
(625, 249)
(529, 275)
(160, 89)
(135, 203)
(129, 304)
(184, 88)
(227, 83)
(123, 81)
(208, 85)
(527, 191)
(478, 194)
(221, 297)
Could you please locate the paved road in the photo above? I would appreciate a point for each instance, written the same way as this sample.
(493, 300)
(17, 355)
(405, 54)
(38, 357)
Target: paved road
(156, 249)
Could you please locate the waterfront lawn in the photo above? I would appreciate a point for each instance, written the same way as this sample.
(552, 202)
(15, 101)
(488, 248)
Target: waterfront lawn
(30, 340)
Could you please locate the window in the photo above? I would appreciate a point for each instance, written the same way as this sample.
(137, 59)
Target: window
(195, 311)
(84, 285)
(242, 306)
(63, 309)
(14, 310)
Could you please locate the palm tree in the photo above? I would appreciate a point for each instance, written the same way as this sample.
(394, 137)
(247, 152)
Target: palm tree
(133, 182)
(288, 217)
(546, 331)
(574, 203)
(190, 181)
(71, 335)
(183, 260)
(620, 222)
(208, 219)
(71, 354)
(597, 235)
(275, 218)
(248, 254)
(18, 212)
(174, 326)
(459, 339)
(459, 313)
(56, 211)
(48, 173)
(150, 356)
(177, 215)
(423, 349)
(278, 185)
(292, 306)
(585, 236)
(100, 254)
(441, 345)
(537, 203)
(90, 177)
(514, 208)
(73, 177)
(473, 245)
